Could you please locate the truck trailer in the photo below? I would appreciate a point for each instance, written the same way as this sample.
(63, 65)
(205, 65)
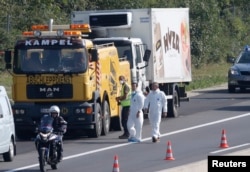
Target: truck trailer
(163, 31)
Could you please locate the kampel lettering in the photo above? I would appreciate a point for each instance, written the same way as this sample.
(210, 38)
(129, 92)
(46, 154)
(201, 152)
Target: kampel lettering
(48, 42)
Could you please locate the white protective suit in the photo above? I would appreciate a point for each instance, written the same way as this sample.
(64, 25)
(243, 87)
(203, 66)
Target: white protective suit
(156, 102)
(134, 124)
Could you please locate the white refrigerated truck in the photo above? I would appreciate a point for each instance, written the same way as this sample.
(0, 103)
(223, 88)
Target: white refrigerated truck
(163, 31)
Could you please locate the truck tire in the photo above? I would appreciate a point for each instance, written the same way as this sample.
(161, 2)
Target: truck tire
(96, 132)
(105, 119)
(173, 105)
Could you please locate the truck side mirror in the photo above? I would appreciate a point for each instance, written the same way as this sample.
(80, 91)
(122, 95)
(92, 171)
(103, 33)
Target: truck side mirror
(145, 58)
(94, 54)
(146, 55)
(7, 59)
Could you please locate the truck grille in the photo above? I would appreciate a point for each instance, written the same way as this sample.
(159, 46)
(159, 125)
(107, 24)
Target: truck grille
(49, 92)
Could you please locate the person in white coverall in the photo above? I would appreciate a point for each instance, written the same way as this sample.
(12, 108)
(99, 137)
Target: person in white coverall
(155, 104)
(135, 118)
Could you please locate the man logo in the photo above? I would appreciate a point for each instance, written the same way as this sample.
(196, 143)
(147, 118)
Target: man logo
(49, 91)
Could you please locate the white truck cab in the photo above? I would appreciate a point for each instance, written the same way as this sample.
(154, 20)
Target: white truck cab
(131, 49)
(7, 127)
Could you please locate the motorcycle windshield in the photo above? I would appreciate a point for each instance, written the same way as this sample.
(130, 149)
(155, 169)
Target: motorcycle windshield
(46, 124)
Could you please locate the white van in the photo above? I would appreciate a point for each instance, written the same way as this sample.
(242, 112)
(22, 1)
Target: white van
(7, 128)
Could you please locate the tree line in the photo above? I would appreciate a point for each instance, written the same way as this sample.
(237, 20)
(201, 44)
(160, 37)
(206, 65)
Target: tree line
(218, 29)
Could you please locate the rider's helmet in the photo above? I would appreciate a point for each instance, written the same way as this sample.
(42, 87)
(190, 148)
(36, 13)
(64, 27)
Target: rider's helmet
(54, 111)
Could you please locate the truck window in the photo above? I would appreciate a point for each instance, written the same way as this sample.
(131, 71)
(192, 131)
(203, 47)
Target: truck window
(33, 62)
(80, 60)
(50, 60)
(138, 54)
(123, 47)
(127, 54)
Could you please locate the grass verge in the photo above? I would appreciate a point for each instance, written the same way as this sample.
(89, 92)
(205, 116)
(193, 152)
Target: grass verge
(208, 75)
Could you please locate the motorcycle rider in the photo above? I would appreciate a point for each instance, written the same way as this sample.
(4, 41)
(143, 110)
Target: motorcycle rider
(59, 126)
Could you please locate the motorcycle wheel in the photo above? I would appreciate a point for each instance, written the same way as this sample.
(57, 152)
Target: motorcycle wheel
(42, 160)
(54, 163)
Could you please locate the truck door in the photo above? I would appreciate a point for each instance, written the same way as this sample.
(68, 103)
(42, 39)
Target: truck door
(140, 64)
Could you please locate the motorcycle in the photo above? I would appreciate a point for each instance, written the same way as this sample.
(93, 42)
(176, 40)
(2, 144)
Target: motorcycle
(47, 143)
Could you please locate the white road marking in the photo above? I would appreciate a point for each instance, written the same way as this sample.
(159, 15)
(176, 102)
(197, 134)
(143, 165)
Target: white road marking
(145, 139)
(231, 148)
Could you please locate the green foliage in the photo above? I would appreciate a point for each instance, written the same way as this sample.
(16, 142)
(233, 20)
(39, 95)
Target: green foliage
(217, 28)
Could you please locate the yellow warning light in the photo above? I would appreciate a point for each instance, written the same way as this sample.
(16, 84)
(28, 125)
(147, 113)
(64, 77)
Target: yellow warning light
(72, 33)
(28, 33)
(84, 28)
(61, 30)
(79, 26)
(40, 27)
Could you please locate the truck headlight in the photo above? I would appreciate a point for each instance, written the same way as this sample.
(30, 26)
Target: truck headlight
(80, 110)
(19, 111)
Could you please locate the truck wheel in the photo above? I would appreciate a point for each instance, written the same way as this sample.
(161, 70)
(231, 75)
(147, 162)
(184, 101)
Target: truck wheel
(173, 105)
(106, 118)
(96, 132)
(9, 156)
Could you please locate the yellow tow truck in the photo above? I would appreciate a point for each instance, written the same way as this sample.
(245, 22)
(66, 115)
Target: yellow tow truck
(59, 65)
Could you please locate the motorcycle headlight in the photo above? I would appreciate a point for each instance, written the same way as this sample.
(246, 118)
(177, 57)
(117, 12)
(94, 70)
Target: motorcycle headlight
(44, 135)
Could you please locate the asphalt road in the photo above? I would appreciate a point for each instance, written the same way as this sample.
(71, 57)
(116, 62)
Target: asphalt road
(194, 135)
(202, 164)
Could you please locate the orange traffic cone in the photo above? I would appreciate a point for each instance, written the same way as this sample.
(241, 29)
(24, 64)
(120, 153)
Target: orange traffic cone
(116, 165)
(169, 154)
(223, 143)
